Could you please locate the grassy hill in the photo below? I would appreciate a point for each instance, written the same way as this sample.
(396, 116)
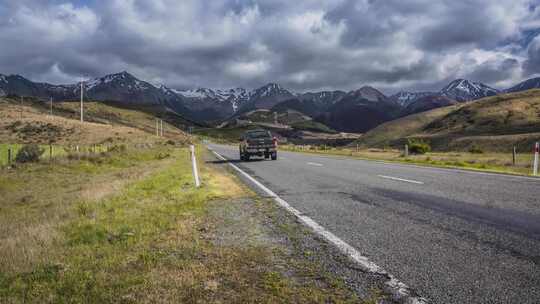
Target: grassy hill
(492, 124)
(31, 122)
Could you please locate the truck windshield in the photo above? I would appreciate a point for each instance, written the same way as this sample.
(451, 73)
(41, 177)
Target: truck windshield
(258, 134)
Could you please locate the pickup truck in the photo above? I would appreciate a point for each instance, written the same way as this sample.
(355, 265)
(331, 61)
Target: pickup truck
(258, 143)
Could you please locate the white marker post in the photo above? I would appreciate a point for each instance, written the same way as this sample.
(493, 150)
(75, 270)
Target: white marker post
(194, 166)
(535, 165)
(82, 101)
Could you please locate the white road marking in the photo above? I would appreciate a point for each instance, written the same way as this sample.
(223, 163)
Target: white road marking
(401, 179)
(315, 164)
(399, 290)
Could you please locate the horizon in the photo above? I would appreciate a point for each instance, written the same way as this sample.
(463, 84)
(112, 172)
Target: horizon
(305, 47)
(157, 85)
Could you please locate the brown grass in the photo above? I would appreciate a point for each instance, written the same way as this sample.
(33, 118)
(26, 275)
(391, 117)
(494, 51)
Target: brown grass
(17, 125)
(494, 124)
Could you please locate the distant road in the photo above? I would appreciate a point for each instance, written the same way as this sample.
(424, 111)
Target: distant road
(453, 236)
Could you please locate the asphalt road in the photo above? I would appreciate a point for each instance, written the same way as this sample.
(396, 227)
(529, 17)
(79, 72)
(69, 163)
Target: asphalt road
(452, 236)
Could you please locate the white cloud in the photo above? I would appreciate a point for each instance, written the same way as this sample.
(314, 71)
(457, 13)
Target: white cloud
(311, 44)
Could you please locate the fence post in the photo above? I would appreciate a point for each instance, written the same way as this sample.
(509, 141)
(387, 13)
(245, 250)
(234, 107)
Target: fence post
(406, 150)
(535, 165)
(514, 156)
(50, 152)
(9, 156)
(194, 166)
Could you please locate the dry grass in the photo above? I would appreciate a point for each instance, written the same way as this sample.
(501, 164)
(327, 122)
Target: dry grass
(37, 198)
(132, 228)
(494, 124)
(29, 123)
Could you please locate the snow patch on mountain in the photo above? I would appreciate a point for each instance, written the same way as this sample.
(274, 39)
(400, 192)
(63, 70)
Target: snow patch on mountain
(405, 98)
(465, 90)
(533, 83)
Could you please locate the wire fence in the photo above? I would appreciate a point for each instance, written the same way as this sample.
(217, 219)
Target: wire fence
(8, 152)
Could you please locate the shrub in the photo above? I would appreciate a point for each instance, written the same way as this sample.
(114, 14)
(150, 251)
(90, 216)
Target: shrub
(118, 148)
(476, 150)
(418, 147)
(29, 154)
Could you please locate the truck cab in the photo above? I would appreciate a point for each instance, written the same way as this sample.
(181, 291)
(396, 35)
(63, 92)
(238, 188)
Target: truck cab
(258, 143)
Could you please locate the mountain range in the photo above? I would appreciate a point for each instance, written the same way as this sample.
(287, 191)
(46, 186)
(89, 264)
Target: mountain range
(355, 111)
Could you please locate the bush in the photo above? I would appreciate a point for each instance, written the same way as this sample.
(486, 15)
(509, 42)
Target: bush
(418, 147)
(29, 154)
(476, 150)
(118, 148)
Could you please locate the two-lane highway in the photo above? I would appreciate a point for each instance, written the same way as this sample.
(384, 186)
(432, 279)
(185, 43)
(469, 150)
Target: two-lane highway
(451, 235)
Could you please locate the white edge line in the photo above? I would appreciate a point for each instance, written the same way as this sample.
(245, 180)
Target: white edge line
(401, 179)
(315, 164)
(399, 290)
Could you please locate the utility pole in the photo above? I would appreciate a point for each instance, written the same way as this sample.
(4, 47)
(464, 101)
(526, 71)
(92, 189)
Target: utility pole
(82, 97)
(161, 122)
(157, 127)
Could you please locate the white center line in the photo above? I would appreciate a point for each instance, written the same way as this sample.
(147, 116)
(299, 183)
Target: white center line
(315, 164)
(401, 179)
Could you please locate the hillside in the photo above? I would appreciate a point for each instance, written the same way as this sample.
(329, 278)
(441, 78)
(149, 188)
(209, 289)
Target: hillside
(31, 122)
(493, 124)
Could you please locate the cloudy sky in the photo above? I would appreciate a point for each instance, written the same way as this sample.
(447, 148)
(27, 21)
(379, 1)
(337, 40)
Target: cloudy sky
(303, 45)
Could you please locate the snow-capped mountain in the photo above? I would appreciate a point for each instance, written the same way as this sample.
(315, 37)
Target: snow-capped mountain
(367, 93)
(465, 90)
(533, 83)
(404, 98)
(235, 97)
(323, 98)
(266, 97)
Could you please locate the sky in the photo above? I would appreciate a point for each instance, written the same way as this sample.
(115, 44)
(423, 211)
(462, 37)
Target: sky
(306, 45)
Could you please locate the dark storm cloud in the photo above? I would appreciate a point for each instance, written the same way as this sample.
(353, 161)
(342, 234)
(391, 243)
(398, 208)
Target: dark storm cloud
(313, 44)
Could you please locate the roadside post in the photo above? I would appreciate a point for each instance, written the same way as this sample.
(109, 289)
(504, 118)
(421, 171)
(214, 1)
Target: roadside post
(406, 150)
(194, 166)
(514, 156)
(9, 157)
(535, 165)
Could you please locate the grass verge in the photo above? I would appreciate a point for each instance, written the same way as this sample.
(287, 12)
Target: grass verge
(130, 227)
(488, 162)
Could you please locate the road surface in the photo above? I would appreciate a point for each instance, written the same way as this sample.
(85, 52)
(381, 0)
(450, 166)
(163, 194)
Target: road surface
(453, 236)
